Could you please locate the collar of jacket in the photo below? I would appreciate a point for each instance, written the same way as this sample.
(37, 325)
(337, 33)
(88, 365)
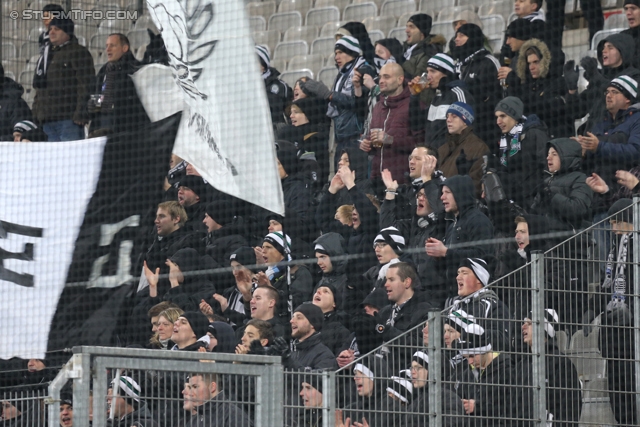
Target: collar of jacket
(621, 115)
(303, 345)
(394, 101)
(218, 398)
(457, 139)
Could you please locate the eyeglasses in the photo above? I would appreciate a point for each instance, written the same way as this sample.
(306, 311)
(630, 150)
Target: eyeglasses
(421, 195)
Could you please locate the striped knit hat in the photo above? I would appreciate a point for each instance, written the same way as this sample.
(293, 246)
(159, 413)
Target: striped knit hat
(551, 320)
(130, 389)
(24, 126)
(479, 267)
(392, 237)
(474, 340)
(263, 54)
(462, 110)
(401, 388)
(460, 320)
(443, 63)
(422, 358)
(626, 85)
(349, 45)
(277, 240)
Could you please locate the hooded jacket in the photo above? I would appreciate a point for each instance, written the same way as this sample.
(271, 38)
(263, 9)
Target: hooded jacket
(391, 114)
(592, 99)
(13, 109)
(334, 245)
(544, 96)
(565, 197)
(467, 226)
(279, 94)
(223, 242)
(334, 335)
(424, 50)
(418, 410)
(348, 121)
(141, 417)
(463, 154)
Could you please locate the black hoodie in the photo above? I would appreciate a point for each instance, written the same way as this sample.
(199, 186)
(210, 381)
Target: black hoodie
(334, 244)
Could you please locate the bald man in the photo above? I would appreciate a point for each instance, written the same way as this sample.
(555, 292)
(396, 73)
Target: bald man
(389, 128)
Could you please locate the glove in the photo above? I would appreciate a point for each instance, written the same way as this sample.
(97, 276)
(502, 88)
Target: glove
(571, 75)
(280, 347)
(590, 66)
(463, 165)
(493, 191)
(314, 87)
(256, 348)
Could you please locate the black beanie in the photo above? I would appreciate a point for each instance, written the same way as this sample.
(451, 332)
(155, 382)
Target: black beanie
(423, 22)
(626, 215)
(633, 2)
(244, 255)
(198, 322)
(221, 212)
(314, 108)
(187, 259)
(334, 291)
(288, 157)
(313, 313)
(520, 29)
(394, 47)
(194, 183)
(476, 37)
(65, 24)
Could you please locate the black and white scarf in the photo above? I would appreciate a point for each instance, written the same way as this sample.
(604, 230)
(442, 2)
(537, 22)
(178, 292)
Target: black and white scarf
(466, 61)
(617, 281)
(40, 74)
(511, 148)
(343, 83)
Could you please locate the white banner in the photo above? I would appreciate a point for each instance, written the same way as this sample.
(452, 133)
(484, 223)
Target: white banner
(44, 191)
(226, 131)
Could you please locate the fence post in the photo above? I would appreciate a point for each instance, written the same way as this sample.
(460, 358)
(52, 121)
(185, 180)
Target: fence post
(328, 398)
(538, 351)
(636, 298)
(435, 368)
(53, 401)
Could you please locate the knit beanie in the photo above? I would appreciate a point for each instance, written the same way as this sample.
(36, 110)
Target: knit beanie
(474, 32)
(187, 259)
(349, 45)
(633, 2)
(519, 29)
(244, 255)
(394, 47)
(479, 268)
(263, 55)
(287, 154)
(194, 183)
(198, 322)
(65, 24)
(551, 320)
(443, 63)
(334, 291)
(277, 240)
(423, 22)
(221, 212)
(422, 358)
(511, 106)
(24, 126)
(314, 379)
(314, 108)
(393, 238)
(462, 110)
(313, 313)
(130, 389)
(626, 85)
(401, 388)
(474, 340)
(626, 215)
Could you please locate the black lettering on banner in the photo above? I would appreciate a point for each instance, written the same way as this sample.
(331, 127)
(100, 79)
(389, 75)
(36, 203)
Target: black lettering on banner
(6, 228)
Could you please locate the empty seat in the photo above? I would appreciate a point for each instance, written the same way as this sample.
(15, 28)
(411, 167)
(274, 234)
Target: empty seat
(96, 54)
(340, 4)
(110, 26)
(358, 12)
(34, 33)
(322, 15)
(616, 20)
(288, 50)
(329, 29)
(503, 8)
(306, 33)
(377, 2)
(601, 35)
(28, 49)
(495, 41)
(451, 13)
(264, 9)
(269, 38)
(301, 6)
(399, 33)
(396, 8)
(99, 41)
(472, 3)
(493, 25)
(578, 37)
(257, 23)
(26, 78)
(138, 38)
(290, 77)
(443, 27)
(382, 23)
(327, 75)
(283, 21)
(311, 62)
(9, 50)
(10, 75)
(435, 5)
(323, 45)
(376, 35)
(279, 64)
(82, 41)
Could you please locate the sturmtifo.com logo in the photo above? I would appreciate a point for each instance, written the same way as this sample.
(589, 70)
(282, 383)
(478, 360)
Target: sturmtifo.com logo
(76, 14)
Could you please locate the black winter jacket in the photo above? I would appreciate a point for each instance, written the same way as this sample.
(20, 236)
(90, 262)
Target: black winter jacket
(13, 109)
(141, 417)
(216, 413)
(223, 242)
(279, 94)
(297, 199)
(334, 245)
(310, 354)
(418, 410)
(334, 335)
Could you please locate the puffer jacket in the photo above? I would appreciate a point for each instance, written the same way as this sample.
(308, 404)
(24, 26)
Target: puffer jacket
(463, 154)
(391, 114)
(469, 225)
(279, 94)
(310, 354)
(334, 244)
(565, 198)
(348, 122)
(429, 46)
(544, 96)
(70, 77)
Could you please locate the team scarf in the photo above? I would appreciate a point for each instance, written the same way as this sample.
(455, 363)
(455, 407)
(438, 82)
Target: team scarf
(514, 145)
(617, 283)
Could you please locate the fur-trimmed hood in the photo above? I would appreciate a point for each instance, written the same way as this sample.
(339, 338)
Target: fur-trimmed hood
(545, 62)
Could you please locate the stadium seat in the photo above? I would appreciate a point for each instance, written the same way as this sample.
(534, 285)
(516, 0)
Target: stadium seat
(34, 33)
(493, 25)
(320, 16)
(323, 45)
(301, 6)
(329, 29)
(358, 12)
(451, 13)
(269, 38)
(382, 23)
(26, 78)
(603, 34)
(435, 5)
(399, 33)
(27, 50)
(264, 9)
(258, 23)
(287, 50)
(283, 21)
(138, 38)
(96, 54)
(377, 2)
(376, 35)
(331, 60)
(396, 8)
(504, 8)
(495, 41)
(306, 33)
(311, 62)
(574, 43)
(327, 75)
(110, 26)
(9, 50)
(404, 18)
(616, 20)
(290, 77)
(10, 75)
(98, 41)
(445, 28)
(512, 17)
(340, 4)
(279, 64)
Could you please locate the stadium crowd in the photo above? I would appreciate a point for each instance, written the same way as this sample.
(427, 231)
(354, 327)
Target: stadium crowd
(440, 147)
